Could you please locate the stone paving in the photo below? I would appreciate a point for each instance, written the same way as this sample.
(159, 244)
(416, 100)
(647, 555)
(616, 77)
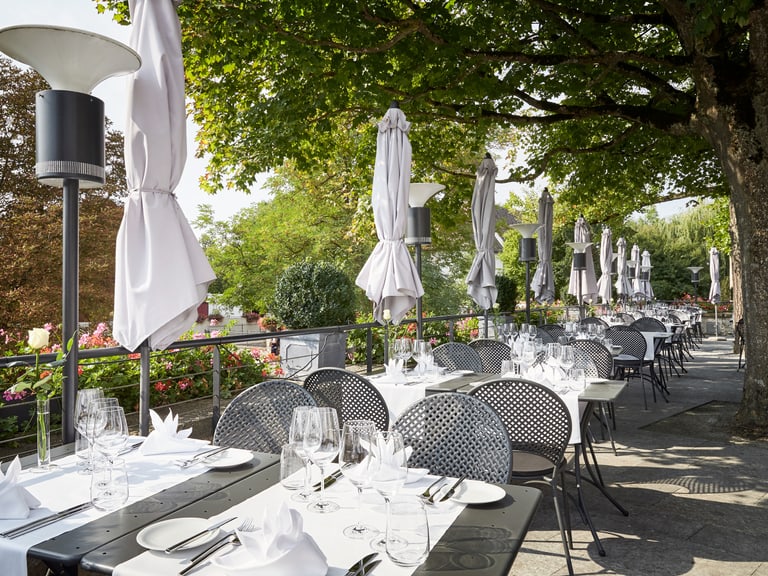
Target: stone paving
(696, 496)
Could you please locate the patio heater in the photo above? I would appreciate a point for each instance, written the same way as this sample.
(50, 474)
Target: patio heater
(645, 277)
(70, 138)
(419, 230)
(695, 280)
(632, 276)
(579, 265)
(527, 254)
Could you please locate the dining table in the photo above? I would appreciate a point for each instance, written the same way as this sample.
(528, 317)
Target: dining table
(581, 404)
(482, 536)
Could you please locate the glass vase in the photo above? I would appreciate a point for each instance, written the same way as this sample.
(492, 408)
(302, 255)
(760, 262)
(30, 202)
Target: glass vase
(43, 420)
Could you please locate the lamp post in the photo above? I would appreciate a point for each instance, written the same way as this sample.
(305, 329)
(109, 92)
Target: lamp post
(632, 276)
(70, 145)
(579, 265)
(419, 230)
(645, 277)
(527, 254)
(695, 280)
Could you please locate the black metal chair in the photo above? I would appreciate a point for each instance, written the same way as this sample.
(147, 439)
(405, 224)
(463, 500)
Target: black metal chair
(595, 320)
(457, 356)
(492, 353)
(602, 360)
(552, 330)
(353, 396)
(632, 360)
(539, 427)
(453, 434)
(259, 417)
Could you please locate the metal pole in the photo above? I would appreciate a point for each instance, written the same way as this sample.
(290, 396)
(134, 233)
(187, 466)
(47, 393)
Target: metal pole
(527, 292)
(419, 320)
(144, 388)
(70, 305)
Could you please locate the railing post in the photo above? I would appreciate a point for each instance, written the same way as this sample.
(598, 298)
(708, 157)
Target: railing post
(369, 350)
(216, 410)
(144, 388)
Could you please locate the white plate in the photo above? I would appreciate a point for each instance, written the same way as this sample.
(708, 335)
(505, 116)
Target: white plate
(230, 458)
(415, 474)
(166, 533)
(476, 492)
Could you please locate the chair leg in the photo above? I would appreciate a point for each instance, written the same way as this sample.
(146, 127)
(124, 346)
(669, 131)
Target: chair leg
(566, 548)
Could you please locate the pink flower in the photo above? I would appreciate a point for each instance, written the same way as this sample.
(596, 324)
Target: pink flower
(198, 336)
(215, 333)
(48, 326)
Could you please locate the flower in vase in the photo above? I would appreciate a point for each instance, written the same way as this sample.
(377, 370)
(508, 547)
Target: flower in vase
(40, 379)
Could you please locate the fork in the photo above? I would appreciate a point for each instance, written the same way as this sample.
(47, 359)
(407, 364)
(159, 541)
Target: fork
(198, 457)
(247, 525)
(426, 493)
(440, 496)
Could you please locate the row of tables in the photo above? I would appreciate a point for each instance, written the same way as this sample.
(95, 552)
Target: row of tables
(102, 544)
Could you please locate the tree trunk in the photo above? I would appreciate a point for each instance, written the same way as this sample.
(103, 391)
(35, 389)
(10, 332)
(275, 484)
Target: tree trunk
(733, 117)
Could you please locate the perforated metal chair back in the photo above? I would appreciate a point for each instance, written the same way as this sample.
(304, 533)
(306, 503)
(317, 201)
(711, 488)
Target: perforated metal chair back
(595, 320)
(453, 434)
(631, 341)
(600, 355)
(492, 353)
(457, 356)
(259, 417)
(553, 330)
(353, 396)
(626, 318)
(648, 324)
(536, 419)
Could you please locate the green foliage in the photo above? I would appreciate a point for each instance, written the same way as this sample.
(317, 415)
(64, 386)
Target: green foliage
(507, 293)
(314, 294)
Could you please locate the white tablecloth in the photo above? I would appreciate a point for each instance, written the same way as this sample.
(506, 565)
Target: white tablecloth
(399, 396)
(326, 529)
(63, 488)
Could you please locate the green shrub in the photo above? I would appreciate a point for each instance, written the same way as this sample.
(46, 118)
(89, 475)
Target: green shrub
(314, 294)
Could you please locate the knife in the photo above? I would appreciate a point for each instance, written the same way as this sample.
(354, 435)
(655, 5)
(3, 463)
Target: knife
(452, 489)
(328, 480)
(39, 523)
(197, 535)
(230, 538)
(361, 564)
(368, 568)
(202, 456)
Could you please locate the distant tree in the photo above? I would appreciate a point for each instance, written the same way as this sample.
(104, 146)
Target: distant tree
(31, 218)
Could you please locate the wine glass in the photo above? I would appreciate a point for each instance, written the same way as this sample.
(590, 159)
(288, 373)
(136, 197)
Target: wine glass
(528, 356)
(532, 331)
(567, 359)
(301, 419)
(355, 461)
(390, 470)
(403, 350)
(111, 431)
(84, 451)
(323, 435)
(422, 353)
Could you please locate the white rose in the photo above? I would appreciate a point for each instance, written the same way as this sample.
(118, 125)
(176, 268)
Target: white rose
(38, 338)
(387, 315)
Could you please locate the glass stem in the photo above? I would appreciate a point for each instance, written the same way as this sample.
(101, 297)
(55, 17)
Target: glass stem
(322, 485)
(307, 477)
(359, 508)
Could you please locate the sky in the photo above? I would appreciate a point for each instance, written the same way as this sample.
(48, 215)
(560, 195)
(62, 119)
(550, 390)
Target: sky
(82, 14)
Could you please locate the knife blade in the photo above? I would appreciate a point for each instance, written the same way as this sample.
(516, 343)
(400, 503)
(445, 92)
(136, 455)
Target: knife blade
(368, 568)
(452, 489)
(202, 456)
(50, 519)
(355, 569)
(211, 528)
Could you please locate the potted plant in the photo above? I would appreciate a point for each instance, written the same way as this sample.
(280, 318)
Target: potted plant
(313, 295)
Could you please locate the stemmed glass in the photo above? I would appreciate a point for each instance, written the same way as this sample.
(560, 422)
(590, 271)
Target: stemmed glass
(84, 404)
(390, 470)
(111, 431)
(301, 419)
(403, 350)
(528, 356)
(567, 359)
(323, 434)
(355, 458)
(422, 353)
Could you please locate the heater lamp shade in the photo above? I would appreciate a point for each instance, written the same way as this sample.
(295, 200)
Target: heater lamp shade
(420, 192)
(67, 58)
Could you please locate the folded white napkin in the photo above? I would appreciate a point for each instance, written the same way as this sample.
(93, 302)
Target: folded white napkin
(394, 372)
(166, 439)
(280, 547)
(15, 500)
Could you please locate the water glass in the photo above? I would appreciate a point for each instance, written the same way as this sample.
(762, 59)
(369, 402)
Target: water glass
(390, 469)
(109, 483)
(577, 381)
(407, 531)
(301, 419)
(507, 366)
(291, 468)
(325, 437)
(84, 404)
(355, 457)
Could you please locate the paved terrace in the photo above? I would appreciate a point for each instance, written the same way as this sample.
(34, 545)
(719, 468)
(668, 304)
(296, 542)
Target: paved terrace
(696, 496)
